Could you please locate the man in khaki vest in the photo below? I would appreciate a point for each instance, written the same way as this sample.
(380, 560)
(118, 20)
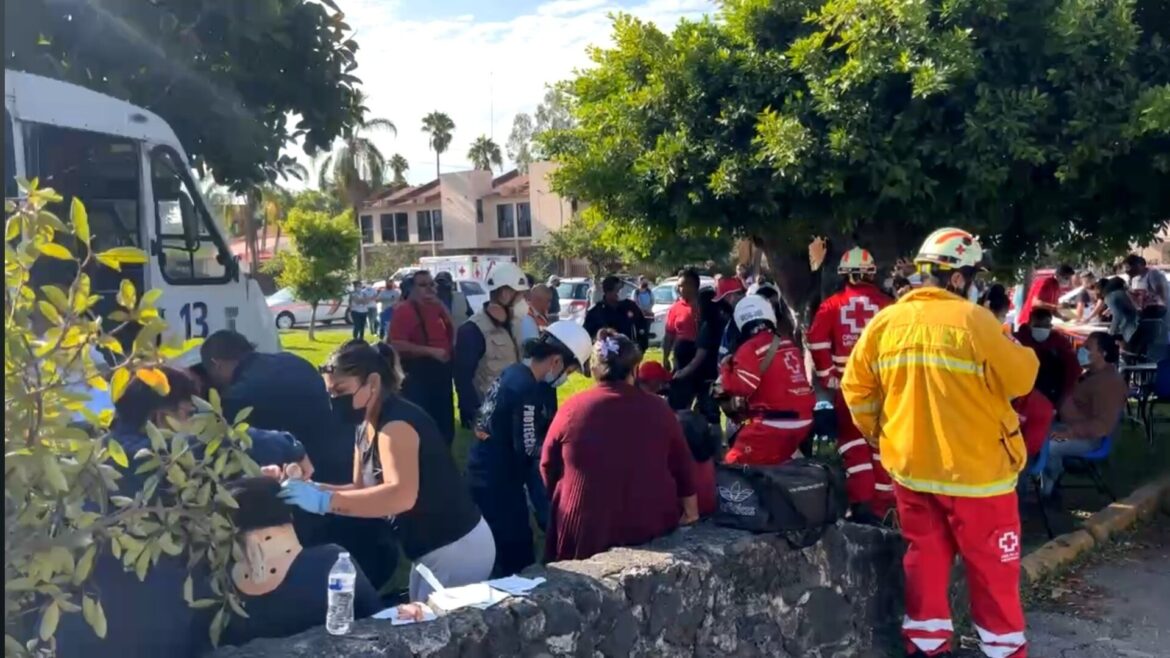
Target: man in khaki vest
(489, 341)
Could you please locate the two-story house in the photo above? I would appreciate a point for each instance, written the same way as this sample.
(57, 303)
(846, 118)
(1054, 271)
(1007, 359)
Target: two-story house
(470, 212)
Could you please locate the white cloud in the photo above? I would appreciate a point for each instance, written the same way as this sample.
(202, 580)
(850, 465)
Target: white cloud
(458, 65)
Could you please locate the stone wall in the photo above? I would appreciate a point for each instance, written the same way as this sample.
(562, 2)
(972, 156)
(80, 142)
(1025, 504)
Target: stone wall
(704, 591)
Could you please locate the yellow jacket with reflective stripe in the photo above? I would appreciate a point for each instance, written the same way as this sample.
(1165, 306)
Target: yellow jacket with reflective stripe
(930, 381)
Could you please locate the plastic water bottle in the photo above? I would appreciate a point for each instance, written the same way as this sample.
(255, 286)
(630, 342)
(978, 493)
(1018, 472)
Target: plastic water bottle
(339, 614)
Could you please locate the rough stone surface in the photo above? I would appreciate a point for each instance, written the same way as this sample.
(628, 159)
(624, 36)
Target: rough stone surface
(704, 591)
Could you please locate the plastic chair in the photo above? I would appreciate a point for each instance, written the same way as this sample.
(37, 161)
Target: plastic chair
(1088, 465)
(1035, 473)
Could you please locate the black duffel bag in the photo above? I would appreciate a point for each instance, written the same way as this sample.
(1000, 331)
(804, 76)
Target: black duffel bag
(798, 499)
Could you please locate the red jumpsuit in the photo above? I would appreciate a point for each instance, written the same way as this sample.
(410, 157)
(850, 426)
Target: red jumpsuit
(779, 402)
(839, 322)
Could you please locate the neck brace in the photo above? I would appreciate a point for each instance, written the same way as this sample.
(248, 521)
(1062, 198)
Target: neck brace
(268, 551)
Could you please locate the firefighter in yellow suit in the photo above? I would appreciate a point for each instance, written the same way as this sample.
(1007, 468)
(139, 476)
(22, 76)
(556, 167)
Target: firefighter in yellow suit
(930, 382)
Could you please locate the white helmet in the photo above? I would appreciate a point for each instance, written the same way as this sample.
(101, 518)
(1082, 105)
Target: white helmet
(950, 248)
(506, 275)
(752, 308)
(573, 337)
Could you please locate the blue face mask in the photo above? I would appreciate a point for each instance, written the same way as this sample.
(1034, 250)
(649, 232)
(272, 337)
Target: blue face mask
(558, 380)
(1083, 357)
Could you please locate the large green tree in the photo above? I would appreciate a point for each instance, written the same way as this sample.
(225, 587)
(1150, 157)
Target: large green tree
(1034, 123)
(238, 81)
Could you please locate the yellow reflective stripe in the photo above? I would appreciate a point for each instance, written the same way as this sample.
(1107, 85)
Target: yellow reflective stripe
(942, 362)
(997, 488)
(864, 408)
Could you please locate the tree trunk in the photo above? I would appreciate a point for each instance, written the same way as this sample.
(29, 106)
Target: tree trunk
(361, 259)
(313, 322)
(276, 241)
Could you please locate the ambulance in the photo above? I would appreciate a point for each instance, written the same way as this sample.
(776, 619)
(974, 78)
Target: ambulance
(128, 167)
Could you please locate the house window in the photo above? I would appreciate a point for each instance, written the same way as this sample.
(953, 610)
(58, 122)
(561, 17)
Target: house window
(505, 222)
(386, 223)
(437, 224)
(424, 226)
(523, 220)
(479, 211)
(401, 231)
(367, 222)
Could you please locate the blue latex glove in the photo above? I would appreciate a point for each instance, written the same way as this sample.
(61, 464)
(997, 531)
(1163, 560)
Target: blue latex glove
(306, 496)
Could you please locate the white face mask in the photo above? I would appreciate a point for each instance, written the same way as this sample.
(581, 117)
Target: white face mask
(520, 308)
(1040, 335)
(973, 293)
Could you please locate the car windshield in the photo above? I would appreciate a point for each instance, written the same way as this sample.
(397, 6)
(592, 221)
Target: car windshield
(571, 290)
(471, 288)
(282, 296)
(664, 295)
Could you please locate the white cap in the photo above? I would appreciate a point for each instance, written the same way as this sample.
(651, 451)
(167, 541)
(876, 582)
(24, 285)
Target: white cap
(752, 308)
(506, 275)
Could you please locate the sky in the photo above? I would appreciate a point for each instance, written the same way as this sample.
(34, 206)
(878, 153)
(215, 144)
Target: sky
(480, 61)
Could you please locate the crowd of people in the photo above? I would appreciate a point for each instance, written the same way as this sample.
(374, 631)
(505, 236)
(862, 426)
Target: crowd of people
(938, 408)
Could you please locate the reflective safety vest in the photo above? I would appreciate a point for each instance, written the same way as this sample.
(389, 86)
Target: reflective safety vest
(931, 382)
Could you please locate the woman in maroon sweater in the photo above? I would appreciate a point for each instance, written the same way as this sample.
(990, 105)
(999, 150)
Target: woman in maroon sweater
(615, 462)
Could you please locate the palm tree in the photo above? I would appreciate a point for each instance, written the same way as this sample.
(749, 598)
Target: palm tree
(398, 166)
(439, 127)
(356, 166)
(484, 153)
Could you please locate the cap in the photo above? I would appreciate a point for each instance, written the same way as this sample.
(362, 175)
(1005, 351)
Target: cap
(728, 285)
(653, 371)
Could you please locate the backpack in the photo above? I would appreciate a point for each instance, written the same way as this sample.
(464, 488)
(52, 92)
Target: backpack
(798, 499)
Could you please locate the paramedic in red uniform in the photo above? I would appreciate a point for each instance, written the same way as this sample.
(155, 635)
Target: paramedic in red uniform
(766, 370)
(838, 324)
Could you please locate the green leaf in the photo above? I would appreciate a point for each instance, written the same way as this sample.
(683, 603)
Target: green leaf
(57, 297)
(188, 589)
(117, 453)
(54, 250)
(53, 472)
(218, 624)
(49, 620)
(12, 229)
(80, 219)
(150, 297)
(49, 311)
(123, 256)
(85, 564)
(127, 296)
(242, 416)
(224, 497)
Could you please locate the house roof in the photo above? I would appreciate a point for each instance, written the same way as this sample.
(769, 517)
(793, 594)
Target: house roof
(512, 183)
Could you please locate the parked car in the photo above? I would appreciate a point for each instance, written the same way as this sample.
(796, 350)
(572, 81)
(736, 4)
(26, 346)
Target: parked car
(574, 297)
(290, 311)
(473, 290)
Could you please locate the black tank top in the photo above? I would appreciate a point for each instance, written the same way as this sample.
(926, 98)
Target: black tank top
(444, 510)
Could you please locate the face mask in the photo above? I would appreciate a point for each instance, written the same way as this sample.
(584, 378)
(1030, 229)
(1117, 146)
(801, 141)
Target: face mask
(973, 293)
(520, 307)
(1040, 335)
(1083, 357)
(344, 411)
(557, 380)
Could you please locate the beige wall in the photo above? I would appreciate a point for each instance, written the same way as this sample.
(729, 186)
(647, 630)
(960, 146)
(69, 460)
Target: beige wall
(1158, 253)
(459, 192)
(549, 210)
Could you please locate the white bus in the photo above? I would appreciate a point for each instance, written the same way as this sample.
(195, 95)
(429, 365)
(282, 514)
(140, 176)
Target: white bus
(127, 166)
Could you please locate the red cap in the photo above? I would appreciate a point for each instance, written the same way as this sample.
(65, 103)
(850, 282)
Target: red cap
(653, 371)
(728, 285)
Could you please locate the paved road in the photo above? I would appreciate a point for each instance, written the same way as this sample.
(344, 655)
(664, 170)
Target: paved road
(1119, 607)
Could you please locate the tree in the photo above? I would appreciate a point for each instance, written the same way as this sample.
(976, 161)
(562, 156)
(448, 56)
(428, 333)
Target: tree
(387, 258)
(1032, 124)
(519, 144)
(64, 505)
(439, 126)
(399, 166)
(484, 153)
(355, 169)
(227, 76)
(555, 111)
(582, 239)
(323, 262)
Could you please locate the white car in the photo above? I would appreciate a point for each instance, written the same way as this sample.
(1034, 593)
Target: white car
(473, 290)
(290, 311)
(577, 296)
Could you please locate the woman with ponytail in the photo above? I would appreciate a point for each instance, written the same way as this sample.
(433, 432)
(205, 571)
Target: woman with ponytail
(403, 470)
